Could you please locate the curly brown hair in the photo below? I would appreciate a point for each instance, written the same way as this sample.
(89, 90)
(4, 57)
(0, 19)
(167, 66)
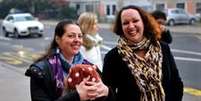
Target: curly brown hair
(151, 28)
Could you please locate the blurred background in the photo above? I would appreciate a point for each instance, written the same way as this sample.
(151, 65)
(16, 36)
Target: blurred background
(106, 9)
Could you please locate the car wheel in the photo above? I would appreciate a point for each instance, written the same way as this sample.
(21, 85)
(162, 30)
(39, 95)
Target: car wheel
(192, 21)
(6, 34)
(171, 23)
(16, 34)
(40, 35)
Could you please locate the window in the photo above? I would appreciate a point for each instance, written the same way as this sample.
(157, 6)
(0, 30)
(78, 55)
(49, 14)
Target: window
(77, 6)
(9, 18)
(198, 7)
(175, 11)
(108, 9)
(180, 5)
(182, 12)
(89, 8)
(160, 7)
(113, 9)
(24, 18)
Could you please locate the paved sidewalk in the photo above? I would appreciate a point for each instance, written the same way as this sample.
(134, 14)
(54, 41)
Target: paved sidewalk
(14, 86)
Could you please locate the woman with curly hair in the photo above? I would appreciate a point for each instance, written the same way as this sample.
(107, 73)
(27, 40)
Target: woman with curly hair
(140, 67)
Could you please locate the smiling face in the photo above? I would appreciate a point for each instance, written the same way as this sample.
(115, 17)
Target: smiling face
(132, 25)
(71, 40)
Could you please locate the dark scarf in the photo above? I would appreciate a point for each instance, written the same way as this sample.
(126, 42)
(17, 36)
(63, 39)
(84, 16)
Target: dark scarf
(147, 71)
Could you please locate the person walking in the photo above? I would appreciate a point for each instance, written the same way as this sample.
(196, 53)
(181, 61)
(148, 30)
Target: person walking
(91, 39)
(161, 19)
(48, 73)
(140, 67)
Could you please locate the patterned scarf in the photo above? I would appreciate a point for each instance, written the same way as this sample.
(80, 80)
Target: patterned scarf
(147, 71)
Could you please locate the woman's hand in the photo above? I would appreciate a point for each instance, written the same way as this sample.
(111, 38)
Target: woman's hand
(87, 90)
(101, 89)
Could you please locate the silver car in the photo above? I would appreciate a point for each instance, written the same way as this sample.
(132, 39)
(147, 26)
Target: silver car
(179, 16)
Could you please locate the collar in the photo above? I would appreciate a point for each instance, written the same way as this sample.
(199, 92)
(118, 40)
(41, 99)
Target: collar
(78, 58)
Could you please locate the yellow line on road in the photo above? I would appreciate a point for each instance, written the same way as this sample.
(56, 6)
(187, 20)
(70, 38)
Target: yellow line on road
(10, 60)
(192, 91)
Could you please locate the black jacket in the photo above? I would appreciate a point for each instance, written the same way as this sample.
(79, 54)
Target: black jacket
(166, 36)
(118, 76)
(43, 87)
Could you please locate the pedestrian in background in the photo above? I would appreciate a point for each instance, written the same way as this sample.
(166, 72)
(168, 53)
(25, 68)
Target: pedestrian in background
(91, 39)
(161, 19)
(141, 68)
(49, 72)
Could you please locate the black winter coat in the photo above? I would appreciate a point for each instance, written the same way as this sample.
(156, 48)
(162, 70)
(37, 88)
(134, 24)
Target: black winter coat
(43, 87)
(166, 36)
(118, 76)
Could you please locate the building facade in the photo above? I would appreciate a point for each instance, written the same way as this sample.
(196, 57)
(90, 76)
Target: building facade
(85, 5)
(191, 6)
(106, 9)
(110, 7)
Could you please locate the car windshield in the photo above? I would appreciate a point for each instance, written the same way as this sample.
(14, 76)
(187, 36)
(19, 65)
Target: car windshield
(24, 18)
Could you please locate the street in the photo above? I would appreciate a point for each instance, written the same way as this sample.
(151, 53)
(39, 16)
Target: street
(17, 54)
(14, 85)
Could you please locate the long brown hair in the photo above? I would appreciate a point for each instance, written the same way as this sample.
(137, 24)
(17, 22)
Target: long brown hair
(151, 28)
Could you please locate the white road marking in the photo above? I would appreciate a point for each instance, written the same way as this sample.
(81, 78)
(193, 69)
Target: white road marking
(104, 52)
(107, 48)
(4, 38)
(110, 42)
(47, 38)
(186, 52)
(187, 59)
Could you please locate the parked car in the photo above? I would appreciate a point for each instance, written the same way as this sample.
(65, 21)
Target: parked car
(179, 16)
(21, 24)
